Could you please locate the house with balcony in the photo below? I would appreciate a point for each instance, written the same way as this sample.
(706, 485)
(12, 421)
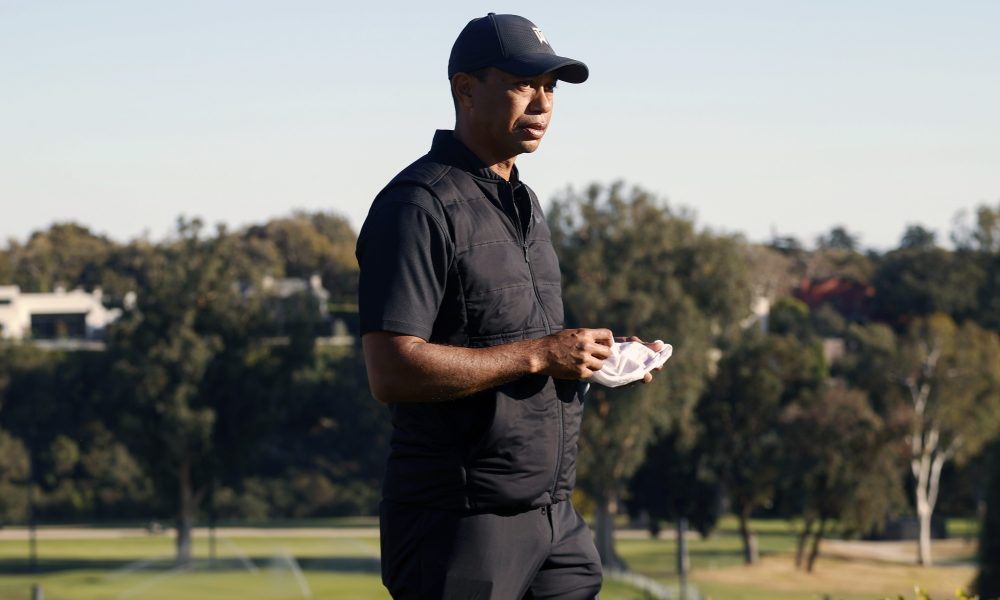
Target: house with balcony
(62, 317)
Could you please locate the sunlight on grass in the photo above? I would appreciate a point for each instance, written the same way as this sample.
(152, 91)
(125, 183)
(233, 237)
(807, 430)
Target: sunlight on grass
(343, 564)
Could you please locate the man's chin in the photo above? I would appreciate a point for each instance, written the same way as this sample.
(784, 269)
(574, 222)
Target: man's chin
(529, 146)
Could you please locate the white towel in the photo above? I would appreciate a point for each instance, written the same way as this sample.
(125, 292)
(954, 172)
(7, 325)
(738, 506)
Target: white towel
(630, 361)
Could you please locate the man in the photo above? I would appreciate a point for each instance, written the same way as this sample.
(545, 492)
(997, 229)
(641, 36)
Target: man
(462, 325)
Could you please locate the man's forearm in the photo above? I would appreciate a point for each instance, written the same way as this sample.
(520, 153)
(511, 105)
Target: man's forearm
(427, 372)
(409, 369)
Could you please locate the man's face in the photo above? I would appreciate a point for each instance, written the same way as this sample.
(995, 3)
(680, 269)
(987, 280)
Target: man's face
(510, 113)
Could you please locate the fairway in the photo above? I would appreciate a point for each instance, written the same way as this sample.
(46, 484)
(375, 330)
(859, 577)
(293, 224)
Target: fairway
(342, 562)
(261, 564)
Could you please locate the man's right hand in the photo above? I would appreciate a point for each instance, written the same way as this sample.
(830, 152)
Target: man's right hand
(573, 353)
(405, 368)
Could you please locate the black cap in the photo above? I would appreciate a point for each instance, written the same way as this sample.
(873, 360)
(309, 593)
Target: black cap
(513, 44)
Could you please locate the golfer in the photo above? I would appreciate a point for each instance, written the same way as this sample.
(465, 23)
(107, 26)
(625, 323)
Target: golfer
(462, 325)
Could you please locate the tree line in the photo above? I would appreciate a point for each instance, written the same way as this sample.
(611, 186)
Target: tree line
(865, 385)
(197, 406)
(866, 390)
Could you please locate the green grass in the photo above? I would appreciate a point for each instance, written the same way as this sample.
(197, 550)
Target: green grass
(92, 585)
(716, 591)
(341, 568)
(964, 528)
(267, 584)
(347, 567)
(220, 585)
(658, 558)
(130, 549)
(838, 579)
(248, 568)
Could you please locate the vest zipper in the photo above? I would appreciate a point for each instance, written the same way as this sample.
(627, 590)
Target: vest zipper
(548, 330)
(545, 320)
(523, 238)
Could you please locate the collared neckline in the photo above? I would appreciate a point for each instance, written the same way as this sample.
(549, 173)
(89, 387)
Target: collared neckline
(448, 149)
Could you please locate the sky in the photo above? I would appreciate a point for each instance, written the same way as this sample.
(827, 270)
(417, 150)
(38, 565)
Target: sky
(775, 117)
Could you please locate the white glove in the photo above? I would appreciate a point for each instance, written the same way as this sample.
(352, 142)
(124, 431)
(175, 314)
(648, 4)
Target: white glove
(630, 361)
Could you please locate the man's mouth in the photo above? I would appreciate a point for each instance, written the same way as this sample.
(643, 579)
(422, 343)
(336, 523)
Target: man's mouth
(535, 130)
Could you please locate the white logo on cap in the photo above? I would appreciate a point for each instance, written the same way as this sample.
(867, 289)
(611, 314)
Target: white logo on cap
(540, 35)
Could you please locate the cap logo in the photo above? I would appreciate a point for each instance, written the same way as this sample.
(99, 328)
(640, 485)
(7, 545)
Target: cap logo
(540, 36)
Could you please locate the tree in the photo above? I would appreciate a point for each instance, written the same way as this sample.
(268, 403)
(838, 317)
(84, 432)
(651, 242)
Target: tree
(987, 583)
(789, 246)
(615, 430)
(740, 417)
(331, 435)
(336, 430)
(987, 312)
(772, 272)
(979, 244)
(790, 316)
(66, 254)
(6, 270)
(918, 282)
(673, 482)
(190, 313)
(53, 404)
(109, 478)
(14, 471)
(838, 238)
(982, 236)
(340, 272)
(840, 465)
(836, 255)
(949, 376)
(203, 382)
(312, 243)
(870, 352)
(631, 264)
(31, 405)
(916, 236)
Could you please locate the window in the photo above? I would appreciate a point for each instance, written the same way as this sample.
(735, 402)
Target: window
(58, 326)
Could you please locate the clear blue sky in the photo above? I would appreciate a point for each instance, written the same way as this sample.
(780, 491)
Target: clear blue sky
(761, 117)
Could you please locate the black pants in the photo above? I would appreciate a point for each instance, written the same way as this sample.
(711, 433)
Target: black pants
(545, 553)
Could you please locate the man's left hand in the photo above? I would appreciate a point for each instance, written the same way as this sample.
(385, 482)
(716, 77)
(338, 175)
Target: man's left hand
(654, 346)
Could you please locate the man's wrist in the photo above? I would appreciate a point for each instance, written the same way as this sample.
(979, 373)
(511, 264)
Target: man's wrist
(535, 361)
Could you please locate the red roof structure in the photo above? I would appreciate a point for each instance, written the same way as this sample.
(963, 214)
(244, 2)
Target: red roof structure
(850, 298)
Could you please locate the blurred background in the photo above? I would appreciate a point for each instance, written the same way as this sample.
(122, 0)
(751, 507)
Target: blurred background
(803, 200)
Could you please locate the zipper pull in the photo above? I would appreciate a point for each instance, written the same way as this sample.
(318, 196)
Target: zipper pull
(525, 246)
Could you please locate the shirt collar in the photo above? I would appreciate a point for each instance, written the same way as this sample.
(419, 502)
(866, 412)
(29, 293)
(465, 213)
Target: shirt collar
(446, 148)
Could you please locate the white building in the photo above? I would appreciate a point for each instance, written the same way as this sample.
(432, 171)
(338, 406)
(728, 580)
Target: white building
(760, 310)
(332, 332)
(291, 286)
(74, 315)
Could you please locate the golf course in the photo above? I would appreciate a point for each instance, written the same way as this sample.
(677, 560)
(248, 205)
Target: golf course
(340, 559)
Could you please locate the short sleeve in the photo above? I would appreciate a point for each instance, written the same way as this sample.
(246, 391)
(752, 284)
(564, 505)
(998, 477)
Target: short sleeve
(404, 257)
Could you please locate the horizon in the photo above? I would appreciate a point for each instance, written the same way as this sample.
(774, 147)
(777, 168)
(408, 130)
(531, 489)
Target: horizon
(942, 239)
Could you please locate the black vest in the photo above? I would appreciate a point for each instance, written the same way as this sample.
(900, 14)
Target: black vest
(513, 447)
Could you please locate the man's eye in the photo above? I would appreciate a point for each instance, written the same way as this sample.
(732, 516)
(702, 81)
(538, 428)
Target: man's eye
(551, 87)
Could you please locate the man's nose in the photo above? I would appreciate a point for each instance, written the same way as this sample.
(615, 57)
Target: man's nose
(542, 101)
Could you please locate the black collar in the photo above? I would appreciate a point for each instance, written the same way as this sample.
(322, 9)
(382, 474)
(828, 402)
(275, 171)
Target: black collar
(447, 149)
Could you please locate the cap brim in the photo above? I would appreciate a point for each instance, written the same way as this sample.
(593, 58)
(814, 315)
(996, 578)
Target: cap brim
(566, 69)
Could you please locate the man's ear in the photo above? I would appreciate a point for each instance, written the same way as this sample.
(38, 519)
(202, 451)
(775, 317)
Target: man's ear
(461, 88)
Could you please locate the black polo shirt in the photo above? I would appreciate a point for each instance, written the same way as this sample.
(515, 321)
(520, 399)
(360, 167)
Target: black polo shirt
(454, 254)
(410, 247)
